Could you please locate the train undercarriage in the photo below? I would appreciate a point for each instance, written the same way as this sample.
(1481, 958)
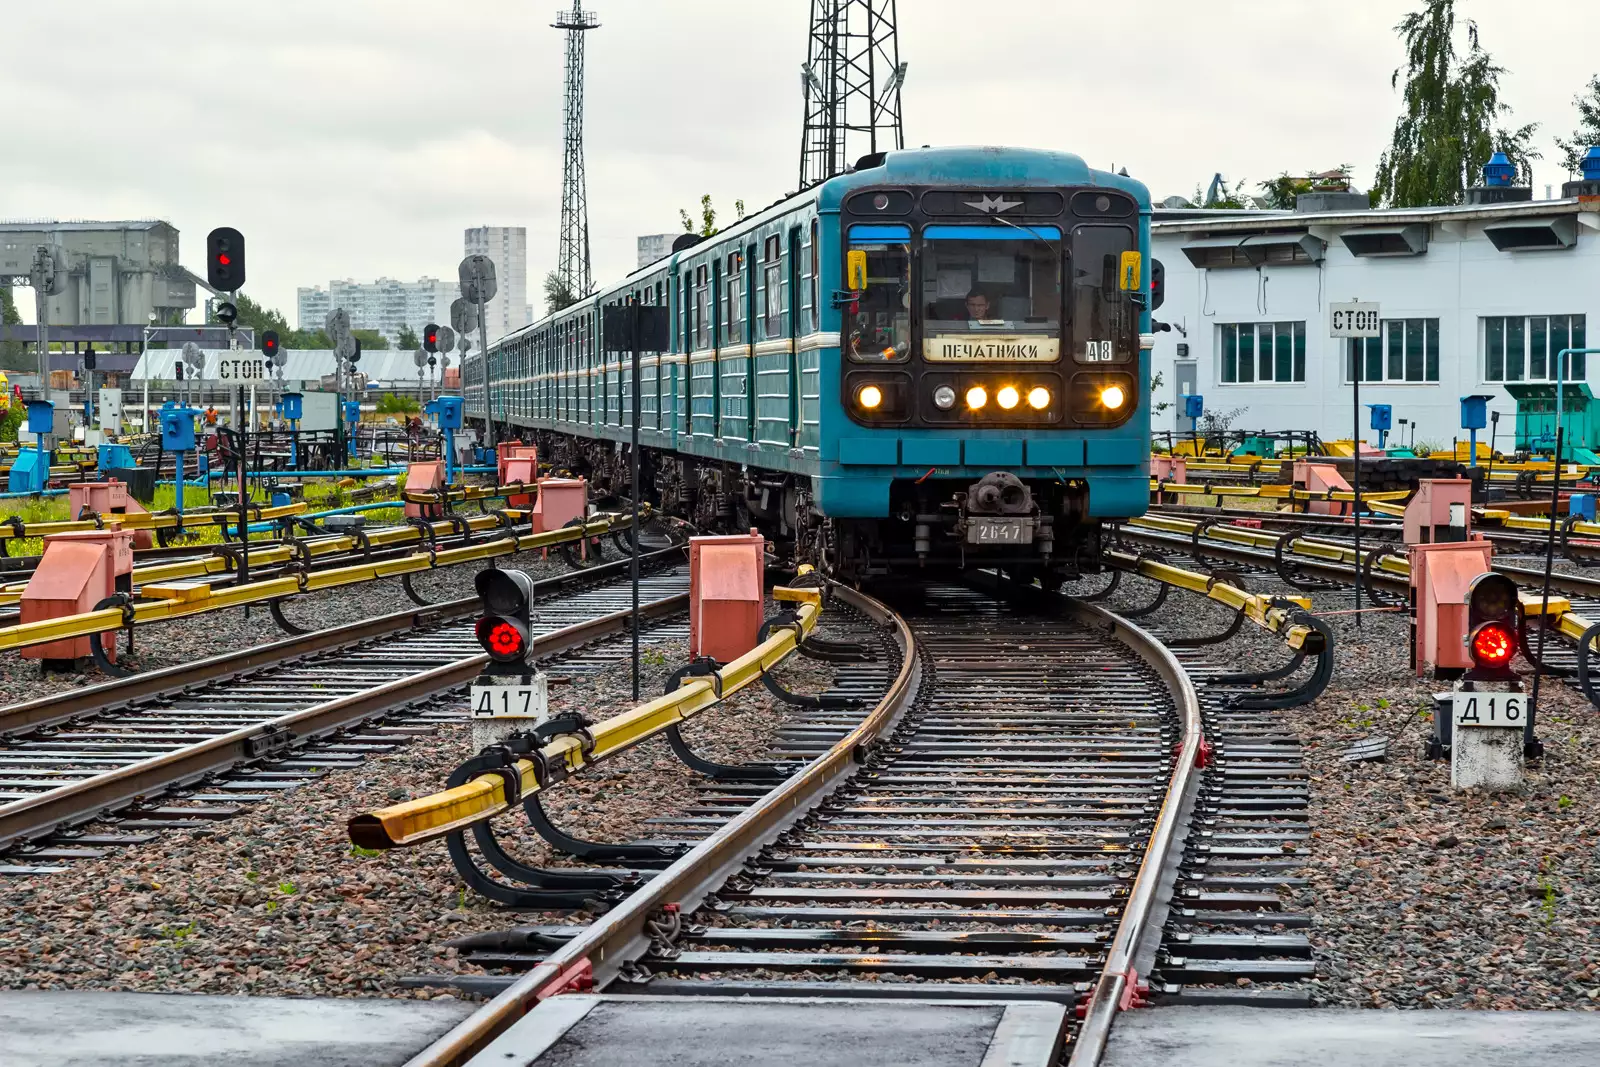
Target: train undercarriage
(1031, 530)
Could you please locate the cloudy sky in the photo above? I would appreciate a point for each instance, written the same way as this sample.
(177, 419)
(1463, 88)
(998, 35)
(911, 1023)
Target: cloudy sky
(357, 138)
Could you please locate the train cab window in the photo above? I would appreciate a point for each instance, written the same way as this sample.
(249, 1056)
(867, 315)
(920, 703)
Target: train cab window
(733, 300)
(991, 279)
(1105, 326)
(879, 329)
(702, 309)
(772, 289)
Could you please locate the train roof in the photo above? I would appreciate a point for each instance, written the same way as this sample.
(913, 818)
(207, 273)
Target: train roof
(970, 165)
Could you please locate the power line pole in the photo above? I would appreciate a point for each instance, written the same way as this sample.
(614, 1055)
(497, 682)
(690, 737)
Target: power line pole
(573, 265)
(851, 81)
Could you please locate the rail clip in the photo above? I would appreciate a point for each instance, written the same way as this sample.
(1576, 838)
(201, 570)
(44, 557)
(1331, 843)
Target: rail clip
(579, 978)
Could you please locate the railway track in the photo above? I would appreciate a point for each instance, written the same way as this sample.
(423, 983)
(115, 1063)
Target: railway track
(1011, 821)
(181, 747)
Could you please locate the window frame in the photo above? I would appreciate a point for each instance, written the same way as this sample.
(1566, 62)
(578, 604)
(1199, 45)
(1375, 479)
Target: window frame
(1577, 337)
(772, 326)
(1297, 351)
(1386, 356)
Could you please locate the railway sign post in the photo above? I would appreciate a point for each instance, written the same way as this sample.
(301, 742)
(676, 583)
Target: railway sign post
(478, 287)
(634, 328)
(1355, 320)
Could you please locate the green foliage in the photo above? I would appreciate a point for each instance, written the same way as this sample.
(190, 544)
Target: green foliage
(365, 853)
(1156, 383)
(390, 404)
(408, 340)
(371, 340)
(11, 423)
(708, 217)
(1448, 126)
(1221, 198)
(1281, 192)
(177, 934)
(1588, 132)
(13, 354)
(557, 293)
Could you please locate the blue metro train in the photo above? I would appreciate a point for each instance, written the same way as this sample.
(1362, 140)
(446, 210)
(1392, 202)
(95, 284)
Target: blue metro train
(939, 358)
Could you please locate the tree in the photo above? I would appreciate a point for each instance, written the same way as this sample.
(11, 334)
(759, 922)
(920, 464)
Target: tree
(407, 341)
(1448, 126)
(557, 293)
(13, 354)
(371, 340)
(1219, 196)
(1588, 132)
(708, 217)
(1281, 192)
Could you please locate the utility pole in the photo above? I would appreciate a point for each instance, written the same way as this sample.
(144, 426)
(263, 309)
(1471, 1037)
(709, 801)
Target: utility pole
(852, 81)
(572, 261)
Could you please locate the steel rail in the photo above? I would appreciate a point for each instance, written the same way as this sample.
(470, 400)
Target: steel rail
(1118, 983)
(622, 934)
(61, 707)
(193, 598)
(426, 818)
(40, 815)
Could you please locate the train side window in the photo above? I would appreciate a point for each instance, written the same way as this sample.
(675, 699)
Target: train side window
(772, 296)
(815, 272)
(702, 311)
(733, 299)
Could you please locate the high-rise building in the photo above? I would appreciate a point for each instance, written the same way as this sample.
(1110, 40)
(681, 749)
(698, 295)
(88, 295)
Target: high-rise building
(386, 305)
(655, 246)
(507, 247)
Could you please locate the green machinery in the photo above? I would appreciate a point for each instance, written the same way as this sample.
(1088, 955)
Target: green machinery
(1536, 420)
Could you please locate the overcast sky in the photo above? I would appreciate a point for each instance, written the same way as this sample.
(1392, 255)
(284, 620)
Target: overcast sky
(358, 138)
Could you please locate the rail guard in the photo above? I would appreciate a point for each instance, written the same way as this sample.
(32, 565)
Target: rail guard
(484, 797)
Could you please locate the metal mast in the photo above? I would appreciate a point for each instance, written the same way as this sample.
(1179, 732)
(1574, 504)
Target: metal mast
(852, 81)
(573, 266)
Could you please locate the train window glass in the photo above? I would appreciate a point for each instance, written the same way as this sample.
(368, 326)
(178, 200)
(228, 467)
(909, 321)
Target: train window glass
(815, 273)
(879, 330)
(1004, 282)
(733, 300)
(702, 310)
(1105, 321)
(772, 290)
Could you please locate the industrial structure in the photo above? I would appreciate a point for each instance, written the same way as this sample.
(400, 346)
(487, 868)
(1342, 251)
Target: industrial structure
(120, 277)
(572, 262)
(852, 81)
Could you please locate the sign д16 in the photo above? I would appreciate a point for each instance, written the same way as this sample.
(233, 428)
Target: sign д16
(1354, 319)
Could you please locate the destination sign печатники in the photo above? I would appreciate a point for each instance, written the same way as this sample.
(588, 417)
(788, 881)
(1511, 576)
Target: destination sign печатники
(968, 348)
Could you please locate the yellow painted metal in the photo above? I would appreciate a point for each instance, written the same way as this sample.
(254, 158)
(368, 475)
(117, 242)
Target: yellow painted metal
(183, 592)
(484, 797)
(153, 521)
(1532, 604)
(1260, 610)
(87, 623)
(1249, 537)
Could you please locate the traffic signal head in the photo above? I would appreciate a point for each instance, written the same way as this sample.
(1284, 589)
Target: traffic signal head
(88, 358)
(505, 624)
(430, 337)
(177, 371)
(1493, 617)
(225, 259)
(269, 343)
(355, 357)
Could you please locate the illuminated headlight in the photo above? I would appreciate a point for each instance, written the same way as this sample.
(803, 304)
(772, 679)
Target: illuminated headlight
(1112, 397)
(1038, 398)
(1008, 397)
(944, 398)
(869, 397)
(977, 396)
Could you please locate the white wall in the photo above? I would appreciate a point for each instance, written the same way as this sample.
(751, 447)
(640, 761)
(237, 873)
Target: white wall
(1460, 279)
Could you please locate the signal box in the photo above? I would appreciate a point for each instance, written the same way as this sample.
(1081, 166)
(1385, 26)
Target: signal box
(725, 594)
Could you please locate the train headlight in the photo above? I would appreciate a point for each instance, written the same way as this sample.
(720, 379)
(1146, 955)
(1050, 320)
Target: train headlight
(1112, 397)
(1008, 397)
(977, 397)
(869, 397)
(944, 398)
(1038, 398)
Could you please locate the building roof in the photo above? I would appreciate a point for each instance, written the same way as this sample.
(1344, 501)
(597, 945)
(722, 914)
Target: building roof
(1196, 220)
(82, 225)
(383, 367)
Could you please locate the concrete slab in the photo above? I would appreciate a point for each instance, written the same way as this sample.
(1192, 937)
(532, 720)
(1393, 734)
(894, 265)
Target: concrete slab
(1351, 1037)
(47, 1028)
(604, 1031)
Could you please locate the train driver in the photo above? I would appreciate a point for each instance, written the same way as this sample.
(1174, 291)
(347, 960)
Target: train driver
(978, 305)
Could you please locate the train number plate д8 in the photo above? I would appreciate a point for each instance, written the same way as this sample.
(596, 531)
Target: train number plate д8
(999, 531)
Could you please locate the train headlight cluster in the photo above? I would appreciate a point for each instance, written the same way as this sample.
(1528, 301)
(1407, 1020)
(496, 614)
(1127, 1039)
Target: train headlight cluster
(870, 397)
(977, 398)
(1038, 398)
(1008, 397)
(944, 398)
(1112, 397)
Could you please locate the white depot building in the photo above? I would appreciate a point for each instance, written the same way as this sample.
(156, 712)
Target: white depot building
(386, 305)
(507, 247)
(1473, 298)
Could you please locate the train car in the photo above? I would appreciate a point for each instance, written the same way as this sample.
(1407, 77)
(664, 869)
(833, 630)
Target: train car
(940, 358)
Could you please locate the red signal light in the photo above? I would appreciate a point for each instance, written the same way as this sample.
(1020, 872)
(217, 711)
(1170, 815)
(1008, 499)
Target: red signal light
(224, 259)
(1493, 645)
(501, 639)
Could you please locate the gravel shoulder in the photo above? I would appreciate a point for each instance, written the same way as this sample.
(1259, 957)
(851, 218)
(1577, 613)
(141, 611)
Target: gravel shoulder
(277, 902)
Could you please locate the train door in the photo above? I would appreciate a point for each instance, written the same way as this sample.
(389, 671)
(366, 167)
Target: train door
(796, 331)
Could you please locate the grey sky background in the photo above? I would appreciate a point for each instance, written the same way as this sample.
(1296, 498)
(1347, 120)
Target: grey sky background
(358, 138)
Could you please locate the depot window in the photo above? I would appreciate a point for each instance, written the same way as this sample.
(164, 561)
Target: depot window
(1524, 348)
(1407, 351)
(1270, 352)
